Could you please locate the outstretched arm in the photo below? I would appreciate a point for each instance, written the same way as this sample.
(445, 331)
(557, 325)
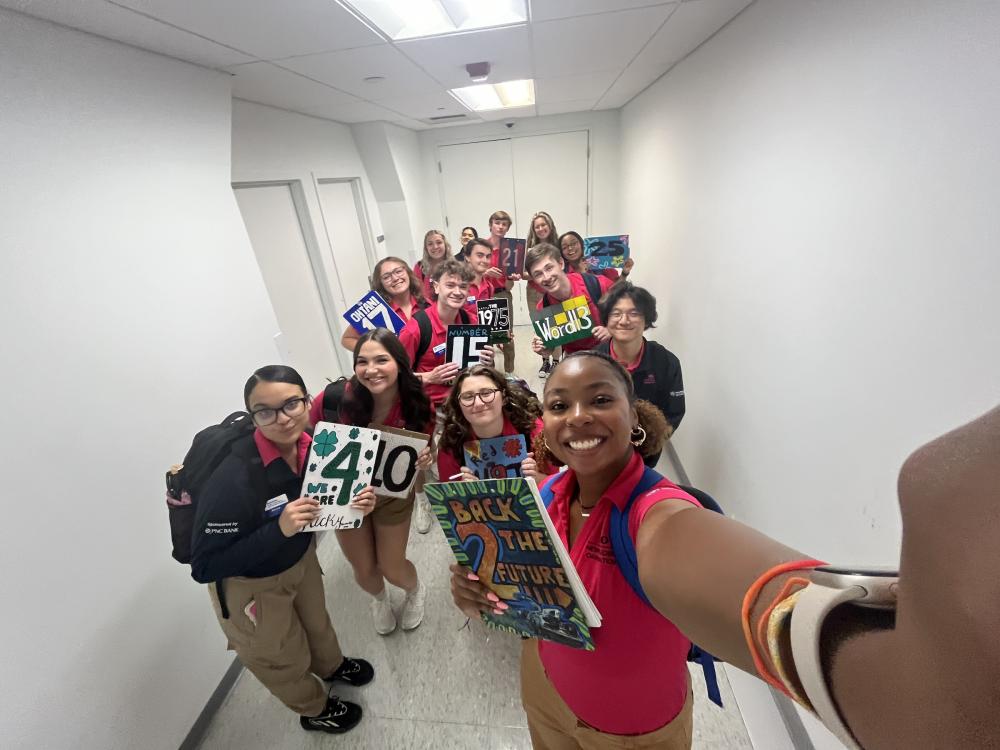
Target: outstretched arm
(931, 681)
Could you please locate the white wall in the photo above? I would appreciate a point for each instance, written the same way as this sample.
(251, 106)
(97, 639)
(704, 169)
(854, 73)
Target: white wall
(272, 144)
(604, 166)
(133, 313)
(821, 181)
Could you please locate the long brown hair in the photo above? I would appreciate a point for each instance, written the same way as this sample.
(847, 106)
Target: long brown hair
(416, 288)
(519, 406)
(427, 263)
(553, 234)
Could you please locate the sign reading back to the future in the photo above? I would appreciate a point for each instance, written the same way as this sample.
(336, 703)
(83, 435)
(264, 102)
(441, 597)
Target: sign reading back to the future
(465, 343)
(341, 463)
(495, 313)
(370, 312)
(606, 252)
(562, 323)
(396, 461)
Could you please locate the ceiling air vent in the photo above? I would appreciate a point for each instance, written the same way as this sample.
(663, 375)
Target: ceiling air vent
(446, 118)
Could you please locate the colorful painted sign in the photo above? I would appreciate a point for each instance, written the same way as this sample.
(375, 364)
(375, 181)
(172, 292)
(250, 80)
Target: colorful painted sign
(495, 313)
(564, 322)
(370, 312)
(512, 255)
(498, 529)
(496, 458)
(606, 252)
(465, 343)
(341, 463)
(396, 461)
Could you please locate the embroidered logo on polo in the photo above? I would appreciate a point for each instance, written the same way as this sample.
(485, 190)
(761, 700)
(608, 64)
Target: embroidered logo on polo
(601, 551)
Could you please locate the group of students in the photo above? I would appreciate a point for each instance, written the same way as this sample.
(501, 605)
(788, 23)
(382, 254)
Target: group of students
(606, 410)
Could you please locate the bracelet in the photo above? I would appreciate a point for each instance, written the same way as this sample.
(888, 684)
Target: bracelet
(778, 623)
(783, 595)
(750, 598)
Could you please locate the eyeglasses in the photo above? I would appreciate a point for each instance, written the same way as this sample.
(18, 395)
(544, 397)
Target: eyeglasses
(292, 408)
(390, 275)
(486, 396)
(619, 314)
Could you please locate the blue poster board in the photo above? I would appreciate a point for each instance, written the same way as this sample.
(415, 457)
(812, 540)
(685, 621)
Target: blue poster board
(606, 252)
(370, 312)
(496, 458)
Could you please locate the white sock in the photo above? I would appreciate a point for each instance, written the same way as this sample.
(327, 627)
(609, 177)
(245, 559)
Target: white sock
(380, 596)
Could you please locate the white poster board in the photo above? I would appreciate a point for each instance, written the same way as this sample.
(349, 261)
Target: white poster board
(341, 463)
(396, 461)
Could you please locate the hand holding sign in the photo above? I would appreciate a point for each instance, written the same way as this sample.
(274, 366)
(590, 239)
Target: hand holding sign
(340, 466)
(606, 252)
(567, 321)
(466, 344)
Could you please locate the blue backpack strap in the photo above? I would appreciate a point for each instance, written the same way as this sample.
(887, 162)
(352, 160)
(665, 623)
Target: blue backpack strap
(547, 490)
(624, 548)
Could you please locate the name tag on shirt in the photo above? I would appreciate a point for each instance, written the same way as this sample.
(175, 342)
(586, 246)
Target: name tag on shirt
(440, 348)
(275, 505)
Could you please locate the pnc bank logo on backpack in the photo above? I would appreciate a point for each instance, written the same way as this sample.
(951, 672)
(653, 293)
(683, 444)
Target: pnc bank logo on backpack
(233, 435)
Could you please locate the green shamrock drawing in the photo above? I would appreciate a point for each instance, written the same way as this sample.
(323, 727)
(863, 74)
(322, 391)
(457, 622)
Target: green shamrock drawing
(324, 443)
(354, 433)
(360, 486)
(312, 467)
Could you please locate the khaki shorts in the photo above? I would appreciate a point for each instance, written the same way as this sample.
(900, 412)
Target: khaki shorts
(390, 511)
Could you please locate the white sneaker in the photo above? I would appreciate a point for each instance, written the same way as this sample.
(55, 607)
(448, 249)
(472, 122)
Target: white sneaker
(385, 620)
(424, 516)
(413, 607)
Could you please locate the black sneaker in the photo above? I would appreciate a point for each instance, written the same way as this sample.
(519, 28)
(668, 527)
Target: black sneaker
(355, 672)
(338, 717)
(545, 369)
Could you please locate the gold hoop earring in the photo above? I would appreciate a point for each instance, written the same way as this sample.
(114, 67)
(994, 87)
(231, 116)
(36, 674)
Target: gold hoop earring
(638, 435)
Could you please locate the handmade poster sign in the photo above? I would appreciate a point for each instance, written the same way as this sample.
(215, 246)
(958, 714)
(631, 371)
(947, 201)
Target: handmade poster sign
(499, 529)
(512, 255)
(465, 343)
(495, 313)
(606, 252)
(567, 321)
(341, 463)
(496, 458)
(370, 312)
(396, 461)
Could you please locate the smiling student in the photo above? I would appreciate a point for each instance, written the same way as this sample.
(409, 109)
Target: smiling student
(399, 287)
(543, 229)
(484, 404)
(382, 391)
(544, 265)
(268, 588)
(436, 250)
(479, 255)
(499, 226)
(571, 246)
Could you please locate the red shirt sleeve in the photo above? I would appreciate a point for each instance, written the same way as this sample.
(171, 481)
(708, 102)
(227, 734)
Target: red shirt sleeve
(316, 409)
(447, 465)
(409, 337)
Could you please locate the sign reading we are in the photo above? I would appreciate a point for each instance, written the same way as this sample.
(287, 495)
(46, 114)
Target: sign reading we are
(370, 312)
(567, 321)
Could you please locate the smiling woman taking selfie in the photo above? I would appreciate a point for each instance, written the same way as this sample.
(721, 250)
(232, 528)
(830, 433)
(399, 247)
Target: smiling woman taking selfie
(885, 662)
(267, 584)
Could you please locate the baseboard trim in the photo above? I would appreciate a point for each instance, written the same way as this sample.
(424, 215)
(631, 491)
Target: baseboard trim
(219, 695)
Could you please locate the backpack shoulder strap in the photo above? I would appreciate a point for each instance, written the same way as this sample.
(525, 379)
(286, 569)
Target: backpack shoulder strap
(424, 324)
(547, 490)
(593, 286)
(246, 450)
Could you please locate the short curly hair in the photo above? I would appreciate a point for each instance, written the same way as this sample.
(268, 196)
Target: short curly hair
(651, 419)
(519, 406)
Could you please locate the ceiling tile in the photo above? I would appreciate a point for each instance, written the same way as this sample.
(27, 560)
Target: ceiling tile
(264, 28)
(567, 88)
(689, 26)
(607, 41)
(507, 50)
(428, 105)
(547, 10)
(513, 113)
(347, 68)
(123, 25)
(559, 108)
(266, 84)
(361, 112)
(631, 82)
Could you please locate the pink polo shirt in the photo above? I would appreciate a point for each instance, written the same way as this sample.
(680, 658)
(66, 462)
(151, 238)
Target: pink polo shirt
(635, 680)
(269, 452)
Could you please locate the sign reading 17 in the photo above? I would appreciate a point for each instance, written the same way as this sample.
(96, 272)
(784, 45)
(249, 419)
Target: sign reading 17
(379, 312)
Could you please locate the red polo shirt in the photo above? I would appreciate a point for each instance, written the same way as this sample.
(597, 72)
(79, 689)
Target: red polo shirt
(418, 271)
(448, 466)
(269, 452)
(409, 337)
(578, 288)
(483, 290)
(635, 680)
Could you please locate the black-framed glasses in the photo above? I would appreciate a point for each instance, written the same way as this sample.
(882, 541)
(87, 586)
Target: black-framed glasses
(293, 407)
(390, 275)
(632, 315)
(486, 396)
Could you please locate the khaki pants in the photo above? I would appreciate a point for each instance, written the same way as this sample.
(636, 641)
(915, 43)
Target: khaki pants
(293, 639)
(508, 348)
(553, 726)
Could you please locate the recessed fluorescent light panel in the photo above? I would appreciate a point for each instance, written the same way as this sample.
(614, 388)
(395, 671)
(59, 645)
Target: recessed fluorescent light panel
(410, 19)
(504, 95)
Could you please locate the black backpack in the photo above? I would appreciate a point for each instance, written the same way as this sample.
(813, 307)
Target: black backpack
(333, 394)
(233, 435)
(424, 324)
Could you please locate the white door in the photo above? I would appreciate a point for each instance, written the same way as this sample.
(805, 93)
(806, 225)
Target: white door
(550, 174)
(476, 180)
(274, 225)
(352, 261)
